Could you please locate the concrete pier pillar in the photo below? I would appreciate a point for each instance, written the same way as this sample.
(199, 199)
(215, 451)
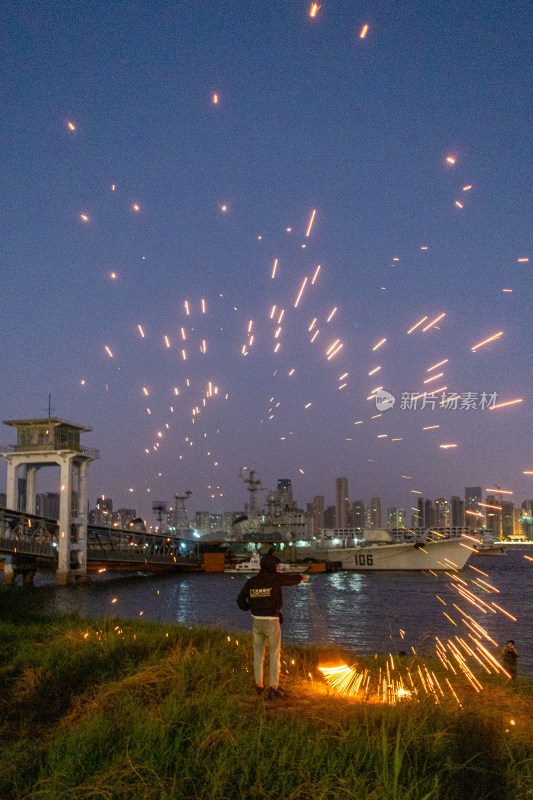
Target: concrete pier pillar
(9, 572)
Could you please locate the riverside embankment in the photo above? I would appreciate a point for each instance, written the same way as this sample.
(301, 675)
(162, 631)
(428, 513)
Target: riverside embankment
(124, 709)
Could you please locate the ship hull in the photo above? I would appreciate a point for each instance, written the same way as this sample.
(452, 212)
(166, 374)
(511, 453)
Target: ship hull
(440, 555)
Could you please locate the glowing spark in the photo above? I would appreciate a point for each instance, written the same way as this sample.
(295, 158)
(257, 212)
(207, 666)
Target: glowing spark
(112, 187)
(466, 188)
(437, 365)
(312, 325)
(334, 353)
(145, 390)
(274, 267)
(446, 446)
(215, 98)
(332, 346)
(167, 341)
(281, 315)
(433, 322)
(379, 344)
(486, 341)
(458, 204)
(277, 347)
(315, 334)
(521, 260)
(363, 33)
(508, 403)
(332, 314)
(307, 406)
(434, 377)
(376, 369)
(499, 491)
(203, 306)
(300, 292)
(450, 159)
(136, 207)
(84, 217)
(186, 304)
(310, 222)
(108, 351)
(313, 10)
(184, 355)
(417, 324)
(141, 330)
(315, 275)
(342, 377)
(430, 427)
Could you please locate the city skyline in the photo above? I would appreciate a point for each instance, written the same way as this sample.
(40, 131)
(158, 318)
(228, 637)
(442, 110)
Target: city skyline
(226, 227)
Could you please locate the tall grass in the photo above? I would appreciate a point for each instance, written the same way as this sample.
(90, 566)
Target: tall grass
(112, 710)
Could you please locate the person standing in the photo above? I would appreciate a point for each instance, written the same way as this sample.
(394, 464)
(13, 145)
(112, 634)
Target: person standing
(509, 658)
(262, 595)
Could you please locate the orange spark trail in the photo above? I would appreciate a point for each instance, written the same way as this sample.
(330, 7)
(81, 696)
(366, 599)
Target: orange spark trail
(311, 222)
(508, 403)
(108, 351)
(315, 275)
(300, 292)
(379, 344)
(364, 31)
(486, 341)
(437, 365)
(274, 267)
(313, 10)
(434, 321)
(332, 314)
(141, 330)
(417, 324)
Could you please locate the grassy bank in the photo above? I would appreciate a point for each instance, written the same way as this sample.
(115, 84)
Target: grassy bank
(130, 710)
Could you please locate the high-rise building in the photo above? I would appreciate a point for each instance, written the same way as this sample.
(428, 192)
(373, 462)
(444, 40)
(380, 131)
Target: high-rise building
(123, 517)
(357, 514)
(395, 517)
(527, 519)
(47, 505)
(317, 508)
(493, 515)
(341, 503)
(442, 513)
(457, 512)
(375, 512)
(507, 519)
(473, 497)
(286, 500)
(330, 515)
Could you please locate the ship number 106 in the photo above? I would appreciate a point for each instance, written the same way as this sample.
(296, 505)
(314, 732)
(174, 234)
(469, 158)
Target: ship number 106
(365, 560)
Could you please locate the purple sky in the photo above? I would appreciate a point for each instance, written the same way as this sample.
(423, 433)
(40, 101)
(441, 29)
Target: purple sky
(310, 116)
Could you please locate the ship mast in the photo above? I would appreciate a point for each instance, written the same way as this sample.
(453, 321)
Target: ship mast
(252, 485)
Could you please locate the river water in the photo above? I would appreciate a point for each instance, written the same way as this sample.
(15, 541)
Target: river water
(363, 612)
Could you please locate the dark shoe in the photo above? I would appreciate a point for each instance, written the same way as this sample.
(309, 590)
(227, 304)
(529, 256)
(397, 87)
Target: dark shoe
(275, 694)
(260, 690)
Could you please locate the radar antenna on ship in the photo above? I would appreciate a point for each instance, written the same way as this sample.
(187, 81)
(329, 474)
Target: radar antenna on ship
(252, 484)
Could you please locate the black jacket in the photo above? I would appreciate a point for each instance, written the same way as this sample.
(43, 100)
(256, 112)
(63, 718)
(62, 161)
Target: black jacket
(262, 594)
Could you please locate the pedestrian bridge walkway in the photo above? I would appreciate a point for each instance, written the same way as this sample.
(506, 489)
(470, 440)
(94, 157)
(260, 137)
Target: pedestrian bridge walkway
(31, 540)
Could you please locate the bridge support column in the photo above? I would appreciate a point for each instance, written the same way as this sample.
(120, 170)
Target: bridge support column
(65, 507)
(31, 474)
(12, 500)
(9, 572)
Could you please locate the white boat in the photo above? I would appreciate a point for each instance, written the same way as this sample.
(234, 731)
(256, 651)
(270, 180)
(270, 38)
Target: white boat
(254, 565)
(487, 545)
(372, 550)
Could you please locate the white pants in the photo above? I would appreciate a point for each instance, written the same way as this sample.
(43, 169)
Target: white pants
(263, 631)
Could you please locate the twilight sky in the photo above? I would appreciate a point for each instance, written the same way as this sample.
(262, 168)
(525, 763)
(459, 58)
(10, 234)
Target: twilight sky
(189, 202)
